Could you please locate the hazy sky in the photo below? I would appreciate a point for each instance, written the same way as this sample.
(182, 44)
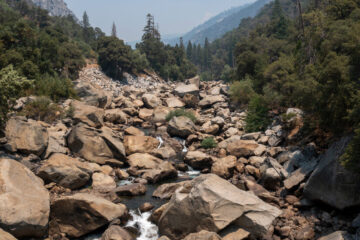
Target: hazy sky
(173, 16)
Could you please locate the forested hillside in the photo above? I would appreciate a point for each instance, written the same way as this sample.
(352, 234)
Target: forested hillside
(311, 62)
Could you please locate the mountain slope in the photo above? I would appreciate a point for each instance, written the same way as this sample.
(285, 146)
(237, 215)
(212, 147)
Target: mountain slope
(217, 26)
(54, 7)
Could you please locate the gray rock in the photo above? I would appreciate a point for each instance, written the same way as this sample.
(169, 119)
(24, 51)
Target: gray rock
(331, 183)
(339, 235)
(181, 127)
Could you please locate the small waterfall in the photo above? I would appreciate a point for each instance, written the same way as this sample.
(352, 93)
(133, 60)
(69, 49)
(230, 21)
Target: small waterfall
(192, 173)
(160, 140)
(148, 230)
(128, 181)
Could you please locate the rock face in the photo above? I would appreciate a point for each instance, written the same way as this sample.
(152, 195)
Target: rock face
(24, 201)
(331, 183)
(66, 171)
(88, 213)
(203, 235)
(140, 144)
(95, 146)
(211, 203)
(180, 127)
(26, 137)
(92, 95)
(55, 7)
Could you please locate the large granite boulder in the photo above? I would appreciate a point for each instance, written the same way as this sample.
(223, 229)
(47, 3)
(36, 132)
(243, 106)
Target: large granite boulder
(116, 116)
(174, 102)
(26, 136)
(6, 236)
(165, 191)
(245, 148)
(95, 145)
(224, 167)
(211, 203)
(151, 101)
(331, 183)
(116, 233)
(140, 144)
(24, 201)
(182, 89)
(87, 114)
(210, 100)
(143, 161)
(181, 127)
(82, 213)
(92, 94)
(203, 235)
(339, 235)
(198, 159)
(164, 170)
(66, 171)
(57, 140)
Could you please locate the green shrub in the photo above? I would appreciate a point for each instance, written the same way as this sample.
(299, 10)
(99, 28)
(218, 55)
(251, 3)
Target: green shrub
(257, 118)
(55, 88)
(12, 86)
(181, 112)
(242, 91)
(351, 158)
(208, 143)
(42, 109)
(287, 117)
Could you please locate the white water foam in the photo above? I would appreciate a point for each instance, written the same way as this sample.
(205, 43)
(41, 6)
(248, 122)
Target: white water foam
(160, 140)
(148, 230)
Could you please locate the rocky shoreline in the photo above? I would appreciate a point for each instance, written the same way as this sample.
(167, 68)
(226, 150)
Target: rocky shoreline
(61, 180)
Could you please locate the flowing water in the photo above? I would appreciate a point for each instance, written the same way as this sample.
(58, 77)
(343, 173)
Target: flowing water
(148, 230)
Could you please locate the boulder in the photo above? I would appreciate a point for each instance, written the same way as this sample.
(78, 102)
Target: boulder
(331, 183)
(116, 233)
(90, 115)
(65, 171)
(297, 177)
(212, 203)
(223, 167)
(164, 170)
(191, 100)
(26, 136)
(146, 207)
(57, 140)
(146, 114)
(135, 189)
(95, 145)
(6, 236)
(195, 80)
(224, 144)
(143, 161)
(92, 94)
(181, 127)
(339, 235)
(140, 144)
(243, 148)
(165, 191)
(88, 213)
(24, 201)
(238, 235)
(174, 102)
(181, 90)
(160, 114)
(210, 100)
(166, 152)
(134, 131)
(151, 101)
(198, 159)
(103, 182)
(115, 116)
(203, 235)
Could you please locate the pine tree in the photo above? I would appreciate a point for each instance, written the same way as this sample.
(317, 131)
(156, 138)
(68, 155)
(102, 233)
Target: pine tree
(113, 30)
(85, 22)
(206, 55)
(189, 51)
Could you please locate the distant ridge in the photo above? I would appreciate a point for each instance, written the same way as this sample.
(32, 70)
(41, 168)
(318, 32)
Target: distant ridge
(222, 23)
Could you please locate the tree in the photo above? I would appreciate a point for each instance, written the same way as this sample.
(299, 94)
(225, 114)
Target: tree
(189, 51)
(113, 30)
(85, 21)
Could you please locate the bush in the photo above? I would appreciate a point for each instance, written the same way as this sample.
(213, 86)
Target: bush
(242, 91)
(257, 118)
(181, 112)
(208, 143)
(42, 109)
(12, 86)
(55, 88)
(350, 159)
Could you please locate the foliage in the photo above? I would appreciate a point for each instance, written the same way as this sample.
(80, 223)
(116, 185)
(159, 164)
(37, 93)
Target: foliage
(241, 92)
(208, 142)
(181, 112)
(257, 118)
(55, 88)
(42, 109)
(350, 159)
(12, 86)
